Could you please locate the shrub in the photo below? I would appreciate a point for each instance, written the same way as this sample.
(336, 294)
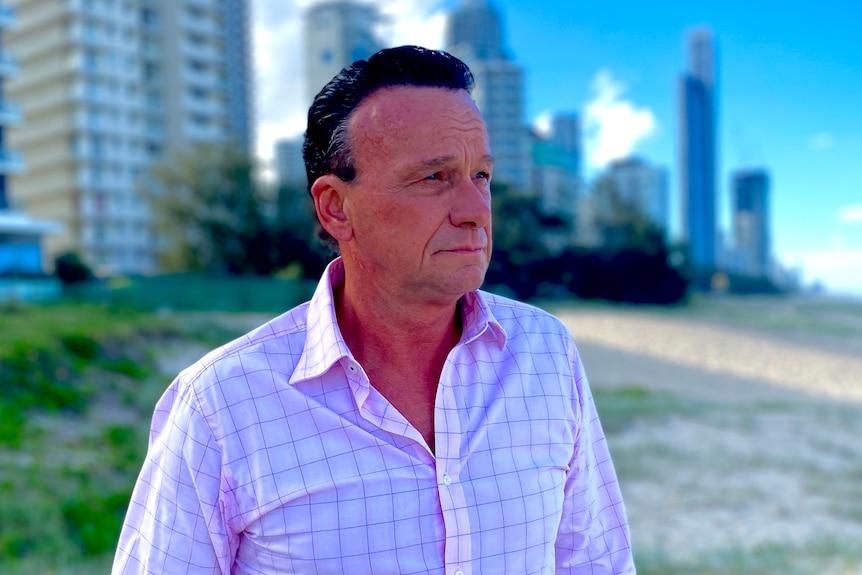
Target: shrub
(71, 270)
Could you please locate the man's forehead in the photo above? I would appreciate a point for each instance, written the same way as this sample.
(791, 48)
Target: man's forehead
(394, 106)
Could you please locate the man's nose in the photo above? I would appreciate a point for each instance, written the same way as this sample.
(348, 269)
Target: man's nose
(471, 203)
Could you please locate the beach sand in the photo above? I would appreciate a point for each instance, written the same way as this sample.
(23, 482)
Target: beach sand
(754, 445)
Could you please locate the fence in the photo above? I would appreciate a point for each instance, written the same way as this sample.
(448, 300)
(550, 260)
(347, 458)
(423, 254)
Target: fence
(190, 292)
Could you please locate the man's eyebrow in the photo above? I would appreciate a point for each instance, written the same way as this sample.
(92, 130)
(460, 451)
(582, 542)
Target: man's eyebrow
(436, 162)
(443, 160)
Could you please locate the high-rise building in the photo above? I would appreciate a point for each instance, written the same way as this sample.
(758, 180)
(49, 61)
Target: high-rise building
(555, 168)
(566, 135)
(336, 35)
(474, 33)
(20, 236)
(289, 165)
(697, 122)
(752, 242)
(109, 87)
(644, 187)
(10, 113)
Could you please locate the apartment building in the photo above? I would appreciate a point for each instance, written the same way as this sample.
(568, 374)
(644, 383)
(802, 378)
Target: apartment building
(107, 88)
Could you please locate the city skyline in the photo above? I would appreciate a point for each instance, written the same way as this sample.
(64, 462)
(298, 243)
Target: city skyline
(788, 84)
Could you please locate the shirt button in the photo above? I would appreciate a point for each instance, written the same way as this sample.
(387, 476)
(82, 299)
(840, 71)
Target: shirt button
(351, 368)
(448, 481)
(458, 572)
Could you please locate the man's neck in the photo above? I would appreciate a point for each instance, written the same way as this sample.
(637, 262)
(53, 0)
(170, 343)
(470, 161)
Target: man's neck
(375, 328)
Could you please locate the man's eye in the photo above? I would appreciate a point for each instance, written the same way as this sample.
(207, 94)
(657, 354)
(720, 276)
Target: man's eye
(484, 175)
(434, 176)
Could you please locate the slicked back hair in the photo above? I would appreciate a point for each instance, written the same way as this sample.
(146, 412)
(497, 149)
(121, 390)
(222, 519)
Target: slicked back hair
(327, 146)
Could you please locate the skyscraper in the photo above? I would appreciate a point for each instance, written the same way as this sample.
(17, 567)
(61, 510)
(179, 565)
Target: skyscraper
(336, 35)
(474, 33)
(643, 186)
(751, 222)
(289, 165)
(566, 135)
(555, 168)
(697, 113)
(108, 88)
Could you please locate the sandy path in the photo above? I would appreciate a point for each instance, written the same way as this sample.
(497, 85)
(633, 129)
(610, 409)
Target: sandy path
(723, 350)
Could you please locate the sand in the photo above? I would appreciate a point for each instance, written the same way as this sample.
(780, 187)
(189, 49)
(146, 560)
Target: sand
(762, 444)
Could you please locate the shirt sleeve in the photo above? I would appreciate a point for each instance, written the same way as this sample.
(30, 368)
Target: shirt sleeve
(593, 536)
(176, 518)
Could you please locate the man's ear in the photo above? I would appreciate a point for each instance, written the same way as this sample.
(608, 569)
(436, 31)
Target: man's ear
(328, 193)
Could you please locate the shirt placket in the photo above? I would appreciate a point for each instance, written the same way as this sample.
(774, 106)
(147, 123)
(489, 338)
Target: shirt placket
(448, 437)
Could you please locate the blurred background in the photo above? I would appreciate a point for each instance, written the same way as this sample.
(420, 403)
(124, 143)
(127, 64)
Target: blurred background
(680, 184)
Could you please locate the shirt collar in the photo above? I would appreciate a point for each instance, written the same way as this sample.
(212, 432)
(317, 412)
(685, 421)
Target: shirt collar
(325, 345)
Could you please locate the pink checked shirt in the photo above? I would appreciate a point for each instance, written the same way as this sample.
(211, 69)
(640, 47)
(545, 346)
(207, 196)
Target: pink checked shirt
(274, 454)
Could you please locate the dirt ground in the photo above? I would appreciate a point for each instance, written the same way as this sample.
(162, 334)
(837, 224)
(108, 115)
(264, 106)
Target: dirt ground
(758, 445)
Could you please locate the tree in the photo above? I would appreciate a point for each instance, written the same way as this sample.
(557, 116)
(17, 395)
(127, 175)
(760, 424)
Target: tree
(71, 270)
(212, 214)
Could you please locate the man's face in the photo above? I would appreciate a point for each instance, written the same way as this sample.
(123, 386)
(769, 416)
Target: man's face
(420, 205)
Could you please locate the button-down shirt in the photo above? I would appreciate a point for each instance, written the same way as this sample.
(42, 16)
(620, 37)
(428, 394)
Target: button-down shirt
(275, 454)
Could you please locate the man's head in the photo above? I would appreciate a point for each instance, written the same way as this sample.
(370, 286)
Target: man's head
(406, 189)
(327, 146)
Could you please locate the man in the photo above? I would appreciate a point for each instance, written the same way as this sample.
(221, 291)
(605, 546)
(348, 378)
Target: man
(401, 421)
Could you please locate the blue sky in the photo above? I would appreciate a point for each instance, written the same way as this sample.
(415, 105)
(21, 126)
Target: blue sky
(789, 82)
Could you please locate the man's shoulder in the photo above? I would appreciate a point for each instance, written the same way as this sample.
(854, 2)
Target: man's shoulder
(517, 316)
(279, 341)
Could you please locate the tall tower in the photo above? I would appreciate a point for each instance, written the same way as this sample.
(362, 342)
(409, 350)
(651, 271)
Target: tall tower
(643, 186)
(336, 35)
(474, 33)
(697, 113)
(110, 87)
(751, 220)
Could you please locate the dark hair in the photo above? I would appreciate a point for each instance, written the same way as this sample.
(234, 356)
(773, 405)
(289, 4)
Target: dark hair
(326, 149)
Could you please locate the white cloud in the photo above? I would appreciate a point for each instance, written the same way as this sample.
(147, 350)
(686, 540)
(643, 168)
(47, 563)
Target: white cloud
(279, 71)
(821, 141)
(613, 126)
(850, 214)
(542, 123)
(416, 22)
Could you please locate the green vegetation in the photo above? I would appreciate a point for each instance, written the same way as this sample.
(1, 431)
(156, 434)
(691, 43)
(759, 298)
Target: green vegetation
(620, 408)
(825, 556)
(72, 428)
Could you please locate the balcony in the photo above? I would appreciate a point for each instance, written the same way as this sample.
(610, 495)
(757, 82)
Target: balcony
(10, 113)
(200, 26)
(204, 133)
(11, 162)
(202, 52)
(8, 65)
(207, 79)
(8, 17)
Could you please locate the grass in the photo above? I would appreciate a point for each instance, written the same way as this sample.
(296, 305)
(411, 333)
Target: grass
(66, 471)
(824, 557)
(621, 407)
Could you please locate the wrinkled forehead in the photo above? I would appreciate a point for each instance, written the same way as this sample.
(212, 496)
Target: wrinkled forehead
(405, 115)
(411, 107)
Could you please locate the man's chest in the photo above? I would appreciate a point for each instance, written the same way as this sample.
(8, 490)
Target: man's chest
(341, 493)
